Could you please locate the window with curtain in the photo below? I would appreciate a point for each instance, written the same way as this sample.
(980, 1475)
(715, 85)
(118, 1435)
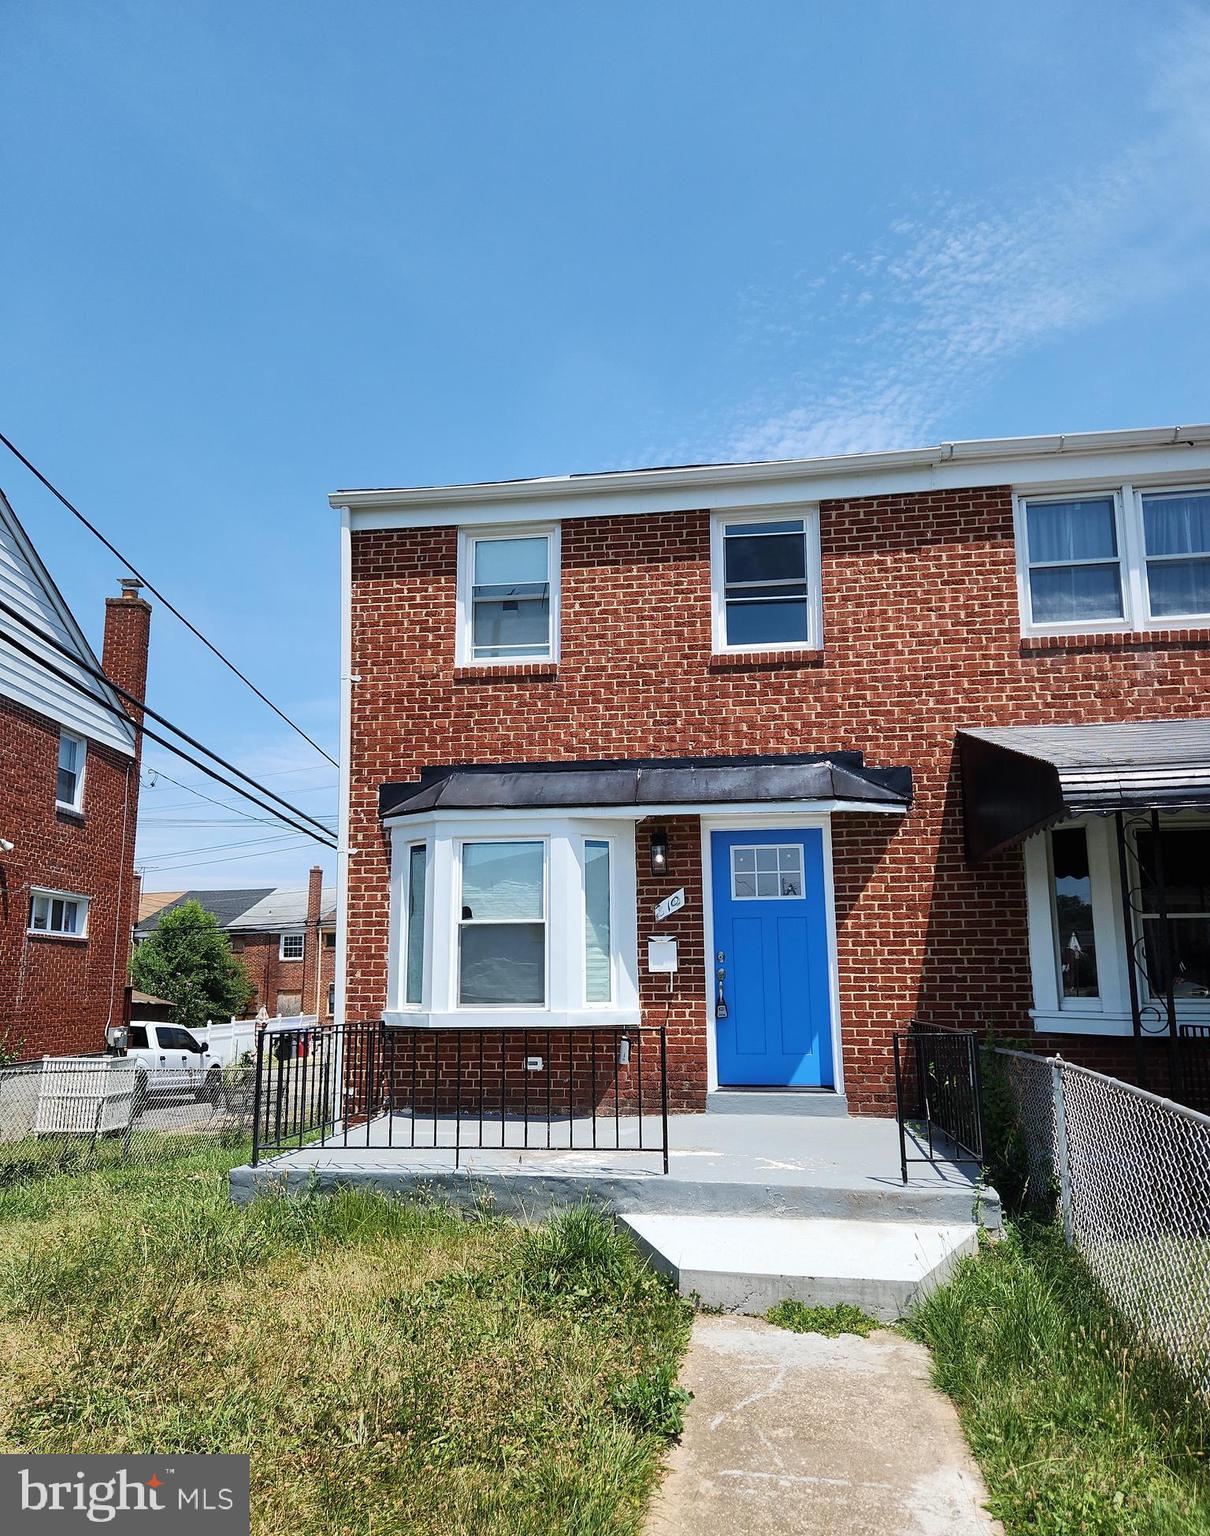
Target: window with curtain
(598, 979)
(502, 929)
(1075, 568)
(56, 912)
(765, 597)
(414, 928)
(1071, 896)
(508, 606)
(1176, 535)
(1183, 857)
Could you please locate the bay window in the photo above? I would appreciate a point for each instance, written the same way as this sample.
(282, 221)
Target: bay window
(503, 921)
(502, 930)
(1181, 857)
(1124, 558)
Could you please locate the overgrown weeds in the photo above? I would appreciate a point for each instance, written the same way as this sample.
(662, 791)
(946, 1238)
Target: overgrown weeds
(389, 1366)
(1077, 1425)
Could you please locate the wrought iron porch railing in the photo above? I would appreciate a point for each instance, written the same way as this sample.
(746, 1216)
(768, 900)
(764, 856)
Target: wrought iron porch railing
(455, 1090)
(938, 1085)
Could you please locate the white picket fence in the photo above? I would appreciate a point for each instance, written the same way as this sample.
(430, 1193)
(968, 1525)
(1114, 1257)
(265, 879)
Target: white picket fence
(228, 1041)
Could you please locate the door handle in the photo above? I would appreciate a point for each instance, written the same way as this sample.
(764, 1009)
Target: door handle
(720, 1000)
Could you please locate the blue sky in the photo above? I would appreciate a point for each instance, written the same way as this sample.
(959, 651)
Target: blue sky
(256, 252)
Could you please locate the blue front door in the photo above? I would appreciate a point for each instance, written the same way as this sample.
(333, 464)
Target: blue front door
(771, 943)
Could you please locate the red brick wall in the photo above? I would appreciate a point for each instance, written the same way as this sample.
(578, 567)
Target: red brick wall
(921, 636)
(57, 995)
(270, 974)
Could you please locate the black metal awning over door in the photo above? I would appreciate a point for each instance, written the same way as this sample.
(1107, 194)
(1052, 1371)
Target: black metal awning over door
(1018, 779)
(668, 781)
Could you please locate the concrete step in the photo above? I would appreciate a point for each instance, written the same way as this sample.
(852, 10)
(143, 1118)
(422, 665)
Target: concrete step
(747, 1263)
(776, 1101)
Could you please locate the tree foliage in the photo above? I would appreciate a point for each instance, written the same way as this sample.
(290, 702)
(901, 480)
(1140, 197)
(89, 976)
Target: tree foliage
(188, 961)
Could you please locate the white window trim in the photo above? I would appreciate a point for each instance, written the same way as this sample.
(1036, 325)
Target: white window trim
(460, 922)
(718, 520)
(1137, 617)
(610, 842)
(464, 651)
(1110, 1013)
(76, 805)
(566, 982)
(54, 933)
(281, 947)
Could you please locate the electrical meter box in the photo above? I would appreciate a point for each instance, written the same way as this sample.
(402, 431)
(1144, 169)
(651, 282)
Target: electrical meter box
(661, 955)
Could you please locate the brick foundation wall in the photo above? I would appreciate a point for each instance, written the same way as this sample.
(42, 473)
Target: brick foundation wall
(921, 635)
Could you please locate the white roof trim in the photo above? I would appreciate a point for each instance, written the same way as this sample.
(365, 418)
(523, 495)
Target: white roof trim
(1160, 453)
(41, 691)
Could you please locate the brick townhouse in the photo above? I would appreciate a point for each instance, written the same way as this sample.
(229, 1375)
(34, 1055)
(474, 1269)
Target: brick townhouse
(286, 938)
(920, 736)
(69, 799)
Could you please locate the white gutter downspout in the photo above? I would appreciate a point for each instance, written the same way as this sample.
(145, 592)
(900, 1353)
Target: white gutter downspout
(344, 776)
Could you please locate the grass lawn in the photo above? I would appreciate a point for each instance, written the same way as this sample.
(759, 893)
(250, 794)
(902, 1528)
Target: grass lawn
(1077, 1428)
(390, 1367)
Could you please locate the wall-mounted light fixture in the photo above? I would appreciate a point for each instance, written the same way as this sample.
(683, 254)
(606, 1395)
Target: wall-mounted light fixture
(659, 852)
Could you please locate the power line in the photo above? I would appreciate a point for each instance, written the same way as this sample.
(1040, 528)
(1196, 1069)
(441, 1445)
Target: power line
(151, 587)
(116, 709)
(243, 842)
(231, 858)
(142, 704)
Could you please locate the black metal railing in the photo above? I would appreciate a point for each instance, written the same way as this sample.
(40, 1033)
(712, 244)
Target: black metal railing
(938, 1087)
(1192, 1085)
(444, 1091)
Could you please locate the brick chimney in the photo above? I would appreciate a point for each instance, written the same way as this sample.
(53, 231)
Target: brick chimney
(124, 661)
(127, 633)
(311, 945)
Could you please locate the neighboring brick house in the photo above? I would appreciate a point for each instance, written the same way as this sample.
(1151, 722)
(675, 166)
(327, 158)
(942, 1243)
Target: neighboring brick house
(565, 699)
(69, 798)
(286, 939)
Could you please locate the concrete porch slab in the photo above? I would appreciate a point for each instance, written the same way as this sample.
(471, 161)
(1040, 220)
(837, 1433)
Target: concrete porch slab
(730, 1164)
(748, 1263)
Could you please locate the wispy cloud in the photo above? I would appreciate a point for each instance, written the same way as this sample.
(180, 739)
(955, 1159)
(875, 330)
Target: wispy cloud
(902, 331)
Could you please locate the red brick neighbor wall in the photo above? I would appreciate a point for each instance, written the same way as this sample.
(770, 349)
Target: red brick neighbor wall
(921, 635)
(58, 994)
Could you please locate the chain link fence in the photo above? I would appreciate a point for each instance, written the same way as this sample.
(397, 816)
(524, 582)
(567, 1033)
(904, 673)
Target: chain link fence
(95, 1111)
(1129, 1175)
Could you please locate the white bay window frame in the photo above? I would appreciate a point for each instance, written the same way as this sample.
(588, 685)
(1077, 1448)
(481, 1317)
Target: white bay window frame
(1109, 1013)
(445, 835)
(1132, 559)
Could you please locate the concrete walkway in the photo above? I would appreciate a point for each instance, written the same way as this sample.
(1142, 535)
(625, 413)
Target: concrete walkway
(793, 1432)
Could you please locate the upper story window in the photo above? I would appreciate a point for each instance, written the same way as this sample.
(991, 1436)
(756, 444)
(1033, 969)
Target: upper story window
(508, 605)
(765, 581)
(69, 780)
(291, 947)
(1123, 559)
(58, 913)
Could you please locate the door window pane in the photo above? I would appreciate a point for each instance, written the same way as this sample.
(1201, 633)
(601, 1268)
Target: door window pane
(1072, 895)
(502, 940)
(414, 978)
(765, 582)
(510, 598)
(1176, 530)
(1074, 565)
(766, 873)
(597, 978)
(1186, 894)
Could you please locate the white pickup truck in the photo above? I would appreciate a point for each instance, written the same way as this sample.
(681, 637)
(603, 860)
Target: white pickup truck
(173, 1062)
